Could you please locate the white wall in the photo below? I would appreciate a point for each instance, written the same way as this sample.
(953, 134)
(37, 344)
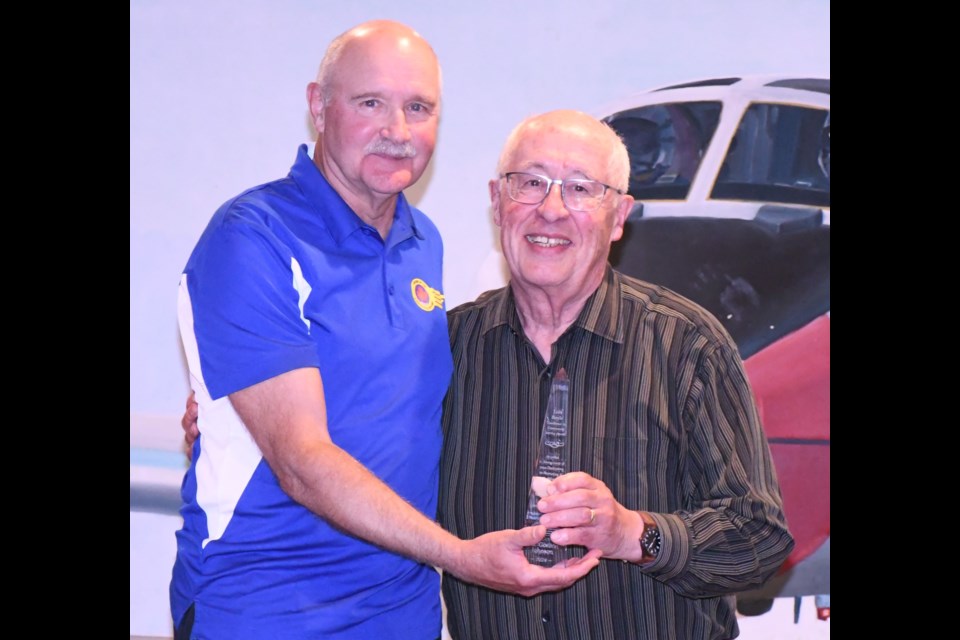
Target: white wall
(217, 105)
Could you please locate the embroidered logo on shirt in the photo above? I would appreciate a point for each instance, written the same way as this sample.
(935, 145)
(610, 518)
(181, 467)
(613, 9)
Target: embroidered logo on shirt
(426, 297)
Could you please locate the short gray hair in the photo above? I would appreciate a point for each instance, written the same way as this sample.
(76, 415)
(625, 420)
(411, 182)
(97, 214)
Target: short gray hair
(329, 62)
(618, 165)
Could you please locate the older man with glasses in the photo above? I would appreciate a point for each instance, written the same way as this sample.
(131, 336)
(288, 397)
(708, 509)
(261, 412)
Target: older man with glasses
(670, 473)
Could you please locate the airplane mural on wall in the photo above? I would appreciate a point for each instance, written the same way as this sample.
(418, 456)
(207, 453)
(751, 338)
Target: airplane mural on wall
(732, 182)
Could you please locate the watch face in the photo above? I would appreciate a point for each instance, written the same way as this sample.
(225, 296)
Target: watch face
(650, 541)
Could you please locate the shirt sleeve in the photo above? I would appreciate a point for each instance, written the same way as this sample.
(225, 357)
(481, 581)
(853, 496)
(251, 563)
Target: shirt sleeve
(736, 537)
(247, 293)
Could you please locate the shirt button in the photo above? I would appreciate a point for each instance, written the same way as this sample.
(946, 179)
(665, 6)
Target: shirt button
(390, 289)
(546, 617)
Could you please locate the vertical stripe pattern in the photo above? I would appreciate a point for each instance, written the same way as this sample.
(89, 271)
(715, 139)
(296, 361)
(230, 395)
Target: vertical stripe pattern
(661, 411)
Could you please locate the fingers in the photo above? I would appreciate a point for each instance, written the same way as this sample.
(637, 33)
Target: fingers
(573, 480)
(571, 535)
(579, 516)
(188, 422)
(594, 553)
(567, 482)
(573, 571)
(529, 536)
(191, 411)
(577, 489)
(560, 576)
(189, 419)
(496, 560)
(588, 557)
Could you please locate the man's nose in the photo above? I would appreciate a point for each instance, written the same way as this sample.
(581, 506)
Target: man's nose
(395, 126)
(553, 208)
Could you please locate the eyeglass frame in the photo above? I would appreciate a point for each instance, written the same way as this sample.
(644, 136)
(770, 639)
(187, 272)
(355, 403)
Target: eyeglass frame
(552, 181)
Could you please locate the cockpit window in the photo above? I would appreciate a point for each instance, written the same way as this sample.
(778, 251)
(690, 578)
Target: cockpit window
(666, 143)
(780, 153)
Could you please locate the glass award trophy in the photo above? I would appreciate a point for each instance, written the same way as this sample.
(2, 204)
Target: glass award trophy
(551, 462)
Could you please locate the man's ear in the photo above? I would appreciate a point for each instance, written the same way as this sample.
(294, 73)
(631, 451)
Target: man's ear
(620, 217)
(316, 105)
(494, 186)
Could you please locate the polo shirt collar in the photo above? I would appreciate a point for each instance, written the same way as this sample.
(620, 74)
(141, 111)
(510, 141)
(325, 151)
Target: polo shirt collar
(337, 216)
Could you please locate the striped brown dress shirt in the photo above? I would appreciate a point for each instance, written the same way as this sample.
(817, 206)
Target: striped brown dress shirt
(661, 411)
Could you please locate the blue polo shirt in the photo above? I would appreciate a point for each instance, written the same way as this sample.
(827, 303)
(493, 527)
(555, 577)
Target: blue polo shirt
(287, 276)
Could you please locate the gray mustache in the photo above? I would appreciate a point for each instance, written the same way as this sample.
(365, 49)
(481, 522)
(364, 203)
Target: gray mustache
(393, 149)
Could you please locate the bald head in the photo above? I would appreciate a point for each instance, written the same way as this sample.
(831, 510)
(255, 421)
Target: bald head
(360, 38)
(564, 122)
(375, 107)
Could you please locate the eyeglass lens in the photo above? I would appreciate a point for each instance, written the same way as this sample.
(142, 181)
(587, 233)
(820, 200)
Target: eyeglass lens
(577, 194)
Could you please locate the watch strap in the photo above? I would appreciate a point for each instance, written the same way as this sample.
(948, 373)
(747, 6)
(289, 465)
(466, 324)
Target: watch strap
(650, 539)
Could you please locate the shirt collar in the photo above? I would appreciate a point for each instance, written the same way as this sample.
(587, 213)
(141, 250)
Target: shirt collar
(600, 314)
(336, 215)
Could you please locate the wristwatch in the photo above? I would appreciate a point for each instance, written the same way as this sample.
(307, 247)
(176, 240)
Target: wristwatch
(650, 539)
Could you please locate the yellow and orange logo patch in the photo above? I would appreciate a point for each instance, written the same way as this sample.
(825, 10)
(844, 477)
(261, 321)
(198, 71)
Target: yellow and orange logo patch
(426, 297)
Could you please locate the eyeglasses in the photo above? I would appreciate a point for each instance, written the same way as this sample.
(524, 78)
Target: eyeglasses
(578, 194)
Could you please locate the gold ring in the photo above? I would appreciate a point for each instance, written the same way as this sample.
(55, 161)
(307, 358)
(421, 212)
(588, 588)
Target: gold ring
(593, 515)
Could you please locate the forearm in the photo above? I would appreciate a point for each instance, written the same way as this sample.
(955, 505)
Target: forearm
(727, 545)
(286, 416)
(713, 552)
(342, 491)
(735, 537)
(332, 484)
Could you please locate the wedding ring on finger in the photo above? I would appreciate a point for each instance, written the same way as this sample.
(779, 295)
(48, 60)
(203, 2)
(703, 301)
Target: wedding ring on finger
(593, 516)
